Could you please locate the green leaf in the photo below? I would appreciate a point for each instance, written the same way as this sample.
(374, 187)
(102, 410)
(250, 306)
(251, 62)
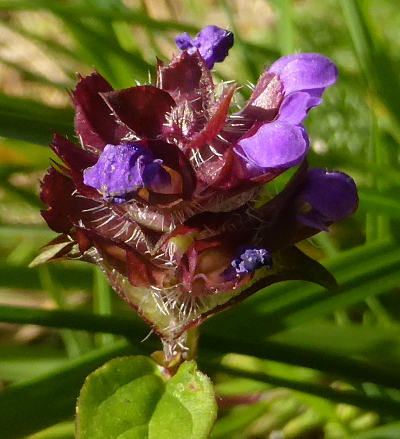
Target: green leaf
(369, 342)
(248, 65)
(119, 398)
(128, 398)
(286, 347)
(102, 303)
(285, 26)
(90, 11)
(70, 276)
(187, 409)
(238, 419)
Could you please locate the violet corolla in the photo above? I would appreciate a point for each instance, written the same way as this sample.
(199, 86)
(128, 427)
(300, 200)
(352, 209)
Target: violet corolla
(161, 192)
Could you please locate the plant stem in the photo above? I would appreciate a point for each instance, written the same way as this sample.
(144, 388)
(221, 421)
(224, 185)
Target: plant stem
(176, 351)
(192, 341)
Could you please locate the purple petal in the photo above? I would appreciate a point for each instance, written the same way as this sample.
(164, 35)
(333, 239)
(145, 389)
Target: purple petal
(279, 65)
(124, 169)
(305, 71)
(295, 107)
(252, 259)
(184, 41)
(154, 176)
(316, 92)
(275, 145)
(327, 197)
(212, 42)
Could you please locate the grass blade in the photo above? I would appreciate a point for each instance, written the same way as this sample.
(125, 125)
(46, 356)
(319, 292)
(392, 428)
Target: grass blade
(379, 404)
(31, 121)
(130, 327)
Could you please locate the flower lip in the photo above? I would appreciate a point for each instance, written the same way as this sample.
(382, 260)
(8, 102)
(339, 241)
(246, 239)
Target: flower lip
(212, 42)
(275, 146)
(123, 170)
(295, 107)
(305, 72)
(251, 259)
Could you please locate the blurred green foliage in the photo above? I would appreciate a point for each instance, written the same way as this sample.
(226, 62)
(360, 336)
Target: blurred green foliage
(338, 351)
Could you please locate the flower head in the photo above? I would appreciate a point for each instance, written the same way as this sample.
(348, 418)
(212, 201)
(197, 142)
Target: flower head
(161, 193)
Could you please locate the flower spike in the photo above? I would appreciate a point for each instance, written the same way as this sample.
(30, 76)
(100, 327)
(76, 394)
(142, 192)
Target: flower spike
(161, 194)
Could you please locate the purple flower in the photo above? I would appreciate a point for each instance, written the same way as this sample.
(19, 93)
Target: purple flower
(312, 200)
(252, 259)
(124, 169)
(212, 42)
(327, 197)
(279, 141)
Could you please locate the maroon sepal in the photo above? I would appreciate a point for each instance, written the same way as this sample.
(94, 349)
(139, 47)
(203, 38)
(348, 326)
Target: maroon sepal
(72, 155)
(138, 273)
(141, 109)
(56, 189)
(215, 123)
(77, 160)
(281, 216)
(212, 172)
(94, 124)
(84, 242)
(187, 78)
